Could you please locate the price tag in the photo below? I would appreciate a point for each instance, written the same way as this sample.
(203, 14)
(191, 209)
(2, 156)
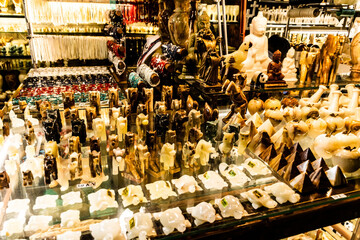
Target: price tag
(232, 173)
(85, 185)
(257, 194)
(206, 175)
(132, 223)
(251, 164)
(125, 192)
(339, 196)
(224, 202)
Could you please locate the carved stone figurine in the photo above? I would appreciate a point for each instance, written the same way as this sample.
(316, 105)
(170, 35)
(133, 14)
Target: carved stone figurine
(94, 144)
(99, 128)
(94, 99)
(79, 129)
(209, 69)
(191, 104)
(188, 153)
(74, 144)
(125, 108)
(50, 168)
(74, 113)
(55, 115)
(160, 107)
(118, 161)
(179, 124)
(161, 124)
(113, 98)
(151, 143)
(237, 97)
(51, 130)
(148, 97)
(130, 155)
(95, 163)
(90, 116)
(257, 58)
(4, 180)
(355, 58)
(210, 114)
(227, 143)
(211, 128)
(75, 165)
(275, 77)
(167, 95)
(69, 102)
(132, 96)
(30, 133)
(183, 92)
(42, 106)
(142, 122)
(142, 158)
(113, 143)
(121, 128)
(288, 66)
(115, 114)
(167, 156)
(28, 178)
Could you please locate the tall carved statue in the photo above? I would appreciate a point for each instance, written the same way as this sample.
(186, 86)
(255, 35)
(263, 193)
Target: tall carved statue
(355, 58)
(257, 58)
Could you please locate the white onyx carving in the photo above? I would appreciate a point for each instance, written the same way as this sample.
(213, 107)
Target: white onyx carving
(15, 121)
(69, 235)
(288, 67)
(203, 212)
(121, 128)
(314, 99)
(227, 143)
(160, 189)
(18, 205)
(283, 193)
(257, 58)
(107, 229)
(102, 199)
(132, 195)
(35, 165)
(13, 226)
(202, 151)
(12, 166)
(186, 184)
(212, 180)
(115, 114)
(236, 177)
(230, 206)
(70, 218)
(38, 222)
(256, 167)
(167, 155)
(99, 128)
(259, 198)
(172, 219)
(118, 161)
(46, 201)
(139, 225)
(71, 198)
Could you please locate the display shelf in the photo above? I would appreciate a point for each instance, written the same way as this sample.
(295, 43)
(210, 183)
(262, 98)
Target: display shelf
(71, 33)
(11, 15)
(14, 56)
(286, 3)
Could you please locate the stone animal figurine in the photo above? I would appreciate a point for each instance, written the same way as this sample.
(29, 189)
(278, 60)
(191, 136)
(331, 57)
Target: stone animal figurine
(161, 124)
(28, 178)
(142, 157)
(183, 92)
(94, 144)
(50, 168)
(151, 143)
(99, 128)
(188, 153)
(148, 97)
(167, 156)
(132, 96)
(167, 95)
(227, 143)
(191, 104)
(69, 102)
(118, 161)
(75, 166)
(95, 163)
(113, 98)
(130, 155)
(210, 114)
(51, 130)
(202, 152)
(142, 122)
(113, 143)
(115, 114)
(160, 107)
(94, 99)
(90, 116)
(121, 128)
(74, 144)
(79, 129)
(4, 180)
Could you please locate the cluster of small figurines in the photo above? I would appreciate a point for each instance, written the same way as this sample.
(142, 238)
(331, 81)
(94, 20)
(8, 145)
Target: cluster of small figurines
(143, 224)
(41, 86)
(327, 128)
